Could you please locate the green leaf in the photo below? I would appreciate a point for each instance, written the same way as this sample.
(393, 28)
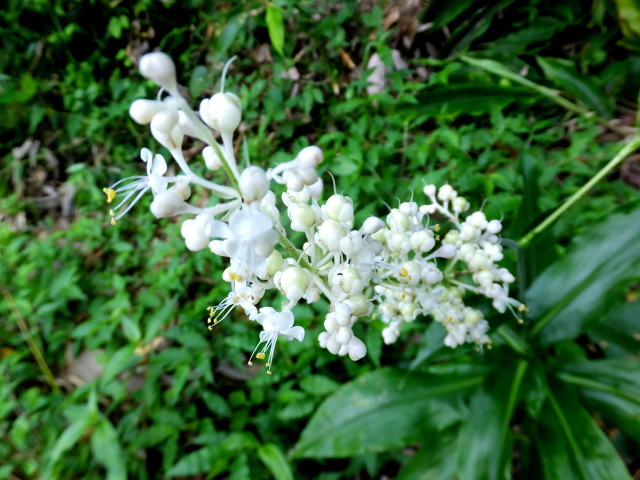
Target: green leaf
(434, 459)
(107, 450)
(275, 26)
(485, 437)
(618, 376)
(570, 295)
(564, 74)
(623, 413)
(470, 99)
(618, 335)
(571, 445)
(382, 410)
(274, 460)
(204, 460)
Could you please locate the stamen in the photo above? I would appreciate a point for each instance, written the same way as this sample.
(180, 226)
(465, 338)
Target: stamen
(111, 193)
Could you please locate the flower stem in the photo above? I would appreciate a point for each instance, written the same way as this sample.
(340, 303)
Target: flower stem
(626, 150)
(33, 346)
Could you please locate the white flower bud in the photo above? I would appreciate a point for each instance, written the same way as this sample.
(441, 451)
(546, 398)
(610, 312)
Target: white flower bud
(211, 159)
(188, 127)
(293, 283)
(218, 247)
(471, 317)
(452, 237)
(407, 309)
(165, 120)
(371, 225)
(329, 234)
(159, 67)
(193, 234)
(222, 112)
(398, 221)
(357, 349)
(182, 189)
(494, 227)
(339, 208)
(460, 204)
(274, 263)
(142, 111)
(429, 190)
(352, 244)
(445, 251)
(316, 189)
(430, 274)
(168, 204)
(409, 208)
(477, 219)
(447, 193)
(309, 157)
(344, 335)
(322, 339)
(333, 345)
(344, 349)
(359, 304)
(330, 323)
(422, 241)
(253, 184)
(301, 216)
(409, 273)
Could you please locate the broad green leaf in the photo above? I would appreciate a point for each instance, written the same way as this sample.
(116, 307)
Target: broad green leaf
(623, 413)
(618, 376)
(382, 410)
(433, 342)
(564, 74)
(618, 334)
(470, 99)
(629, 17)
(275, 26)
(485, 438)
(571, 445)
(107, 450)
(274, 460)
(434, 460)
(572, 294)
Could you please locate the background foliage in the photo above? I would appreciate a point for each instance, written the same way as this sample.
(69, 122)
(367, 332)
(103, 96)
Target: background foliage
(107, 367)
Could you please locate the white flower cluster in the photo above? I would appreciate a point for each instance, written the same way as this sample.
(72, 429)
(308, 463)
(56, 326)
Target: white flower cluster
(398, 266)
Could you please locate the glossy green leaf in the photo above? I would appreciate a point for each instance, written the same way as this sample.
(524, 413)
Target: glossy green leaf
(457, 99)
(275, 26)
(434, 459)
(571, 445)
(107, 450)
(382, 410)
(570, 295)
(564, 74)
(485, 438)
(618, 334)
(619, 376)
(623, 413)
(274, 460)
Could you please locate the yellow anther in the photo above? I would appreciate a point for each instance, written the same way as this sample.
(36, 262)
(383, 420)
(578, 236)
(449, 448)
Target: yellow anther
(210, 327)
(523, 308)
(113, 221)
(260, 356)
(235, 277)
(437, 227)
(404, 273)
(437, 238)
(112, 213)
(209, 320)
(210, 308)
(520, 321)
(249, 363)
(267, 364)
(110, 193)
(215, 320)
(268, 372)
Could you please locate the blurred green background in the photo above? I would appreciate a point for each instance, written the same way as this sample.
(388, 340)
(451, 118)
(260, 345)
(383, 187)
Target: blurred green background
(107, 367)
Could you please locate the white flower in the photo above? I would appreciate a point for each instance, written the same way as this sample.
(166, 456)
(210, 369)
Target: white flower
(251, 238)
(154, 180)
(241, 296)
(275, 324)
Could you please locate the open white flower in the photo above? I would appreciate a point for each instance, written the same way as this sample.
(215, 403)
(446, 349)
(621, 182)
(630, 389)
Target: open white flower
(275, 324)
(251, 239)
(154, 180)
(241, 296)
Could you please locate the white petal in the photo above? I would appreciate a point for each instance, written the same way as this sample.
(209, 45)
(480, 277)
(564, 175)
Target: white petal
(159, 166)
(295, 332)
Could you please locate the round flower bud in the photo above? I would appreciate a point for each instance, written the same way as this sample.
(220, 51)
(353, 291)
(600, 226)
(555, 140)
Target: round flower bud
(329, 234)
(309, 157)
(193, 235)
(447, 193)
(322, 339)
(182, 189)
(409, 208)
(188, 127)
(159, 67)
(344, 335)
(225, 112)
(218, 247)
(398, 221)
(168, 204)
(471, 317)
(407, 309)
(315, 189)
(460, 204)
(352, 244)
(430, 274)
(211, 158)
(302, 217)
(293, 283)
(494, 227)
(429, 190)
(142, 111)
(452, 237)
(339, 208)
(274, 263)
(357, 349)
(422, 241)
(359, 304)
(371, 225)
(253, 184)
(330, 323)
(165, 120)
(445, 251)
(333, 345)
